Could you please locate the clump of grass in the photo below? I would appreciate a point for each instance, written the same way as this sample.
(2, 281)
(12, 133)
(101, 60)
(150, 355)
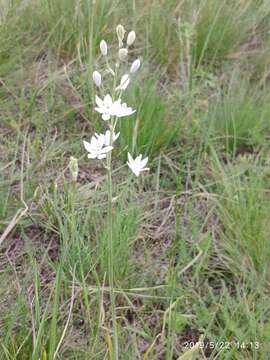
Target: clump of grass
(74, 27)
(222, 26)
(159, 29)
(239, 118)
(154, 128)
(244, 212)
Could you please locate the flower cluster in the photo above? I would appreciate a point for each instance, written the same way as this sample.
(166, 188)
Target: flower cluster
(110, 106)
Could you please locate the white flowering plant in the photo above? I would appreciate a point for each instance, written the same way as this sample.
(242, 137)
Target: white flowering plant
(110, 106)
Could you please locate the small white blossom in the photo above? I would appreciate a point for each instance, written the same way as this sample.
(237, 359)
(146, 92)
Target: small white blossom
(131, 38)
(122, 53)
(108, 108)
(125, 80)
(97, 148)
(135, 66)
(103, 47)
(121, 109)
(137, 165)
(97, 78)
(104, 107)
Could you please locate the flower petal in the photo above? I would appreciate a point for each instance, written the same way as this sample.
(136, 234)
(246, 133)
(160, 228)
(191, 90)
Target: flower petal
(108, 100)
(144, 162)
(87, 146)
(100, 110)
(107, 149)
(99, 102)
(116, 136)
(130, 159)
(101, 156)
(106, 116)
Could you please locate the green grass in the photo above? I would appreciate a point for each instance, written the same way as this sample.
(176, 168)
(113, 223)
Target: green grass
(191, 238)
(239, 117)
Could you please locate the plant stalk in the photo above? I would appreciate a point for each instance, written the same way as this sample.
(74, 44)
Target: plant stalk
(110, 248)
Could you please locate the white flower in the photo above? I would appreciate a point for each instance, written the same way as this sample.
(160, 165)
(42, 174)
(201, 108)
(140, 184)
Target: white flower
(103, 47)
(131, 38)
(97, 78)
(104, 107)
(135, 66)
(97, 148)
(121, 109)
(122, 53)
(125, 80)
(109, 108)
(137, 165)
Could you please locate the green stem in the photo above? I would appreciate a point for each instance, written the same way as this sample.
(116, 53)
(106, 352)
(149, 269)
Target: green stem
(110, 229)
(110, 247)
(91, 47)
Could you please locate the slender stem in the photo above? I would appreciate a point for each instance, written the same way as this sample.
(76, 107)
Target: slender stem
(110, 232)
(110, 248)
(91, 46)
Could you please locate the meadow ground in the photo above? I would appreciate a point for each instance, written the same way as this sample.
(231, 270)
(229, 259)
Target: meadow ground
(191, 238)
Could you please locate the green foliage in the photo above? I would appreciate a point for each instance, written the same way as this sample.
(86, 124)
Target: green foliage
(153, 128)
(239, 117)
(191, 239)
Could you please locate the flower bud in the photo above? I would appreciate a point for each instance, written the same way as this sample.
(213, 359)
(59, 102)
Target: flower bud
(103, 47)
(120, 31)
(125, 80)
(73, 168)
(135, 66)
(122, 53)
(97, 78)
(55, 186)
(131, 38)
